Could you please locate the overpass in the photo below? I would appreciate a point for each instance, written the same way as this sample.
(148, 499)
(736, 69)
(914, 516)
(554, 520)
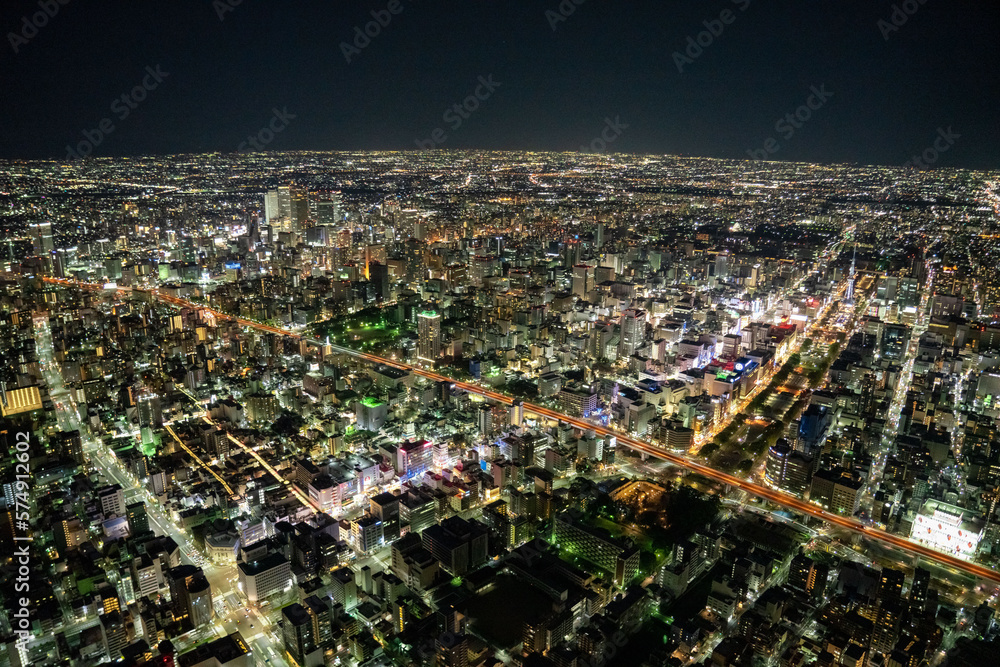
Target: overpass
(761, 491)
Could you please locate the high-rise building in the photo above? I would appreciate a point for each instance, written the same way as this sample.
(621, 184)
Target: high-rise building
(583, 280)
(41, 238)
(451, 650)
(190, 594)
(299, 635)
(378, 275)
(485, 419)
(272, 207)
(808, 576)
(838, 490)
(920, 587)
(138, 520)
(459, 545)
(890, 586)
(264, 577)
(114, 634)
(787, 469)
(888, 618)
(287, 208)
(149, 410)
(385, 507)
(367, 534)
(414, 457)
(429, 335)
(633, 331)
(894, 340)
(71, 445)
(299, 199)
(516, 413)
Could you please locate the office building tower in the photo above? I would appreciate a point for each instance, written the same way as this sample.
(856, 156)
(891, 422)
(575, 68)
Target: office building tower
(299, 635)
(485, 419)
(344, 587)
(838, 490)
(149, 410)
(138, 520)
(385, 507)
(429, 335)
(414, 458)
(378, 275)
(787, 469)
(894, 340)
(287, 209)
(272, 207)
(299, 201)
(190, 594)
(583, 280)
(633, 331)
(517, 414)
(41, 238)
(367, 534)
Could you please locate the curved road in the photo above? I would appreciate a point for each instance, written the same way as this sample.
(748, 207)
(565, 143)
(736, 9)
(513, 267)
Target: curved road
(767, 493)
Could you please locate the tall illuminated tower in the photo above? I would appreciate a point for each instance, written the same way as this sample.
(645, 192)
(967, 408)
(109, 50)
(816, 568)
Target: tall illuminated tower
(429, 335)
(850, 279)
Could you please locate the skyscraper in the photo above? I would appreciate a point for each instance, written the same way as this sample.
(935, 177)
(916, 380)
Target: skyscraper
(299, 200)
(41, 238)
(287, 208)
(633, 331)
(583, 280)
(385, 506)
(272, 207)
(149, 410)
(429, 333)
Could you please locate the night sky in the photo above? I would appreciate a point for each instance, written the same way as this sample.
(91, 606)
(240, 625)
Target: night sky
(894, 90)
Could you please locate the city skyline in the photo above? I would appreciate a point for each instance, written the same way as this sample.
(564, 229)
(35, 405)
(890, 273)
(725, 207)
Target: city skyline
(538, 333)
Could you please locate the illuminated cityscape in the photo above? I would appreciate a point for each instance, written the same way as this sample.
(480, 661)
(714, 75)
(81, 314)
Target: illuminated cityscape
(322, 422)
(500, 334)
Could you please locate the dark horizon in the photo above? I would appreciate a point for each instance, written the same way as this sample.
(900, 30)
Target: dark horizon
(202, 76)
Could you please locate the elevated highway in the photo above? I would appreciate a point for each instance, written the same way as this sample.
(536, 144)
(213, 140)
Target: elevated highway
(767, 493)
